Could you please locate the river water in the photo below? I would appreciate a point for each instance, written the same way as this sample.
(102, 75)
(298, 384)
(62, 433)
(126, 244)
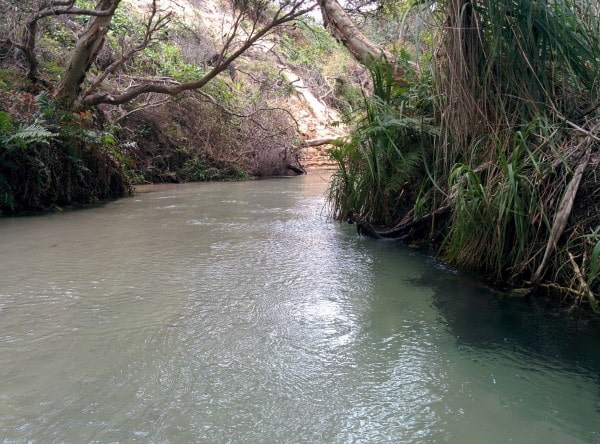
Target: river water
(237, 312)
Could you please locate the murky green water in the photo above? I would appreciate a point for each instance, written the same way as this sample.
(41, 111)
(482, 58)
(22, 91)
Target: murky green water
(237, 312)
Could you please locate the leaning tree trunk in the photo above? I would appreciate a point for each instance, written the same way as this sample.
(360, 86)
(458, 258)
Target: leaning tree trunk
(343, 28)
(85, 52)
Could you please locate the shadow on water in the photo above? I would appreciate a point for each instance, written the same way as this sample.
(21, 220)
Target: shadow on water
(483, 319)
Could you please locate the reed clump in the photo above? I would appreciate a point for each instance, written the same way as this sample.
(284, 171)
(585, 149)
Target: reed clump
(516, 93)
(385, 152)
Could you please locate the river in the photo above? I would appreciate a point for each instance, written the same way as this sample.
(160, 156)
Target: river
(238, 312)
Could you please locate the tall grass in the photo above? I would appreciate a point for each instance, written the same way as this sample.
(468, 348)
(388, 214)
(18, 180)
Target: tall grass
(516, 92)
(384, 154)
(509, 61)
(517, 82)
(498, 216)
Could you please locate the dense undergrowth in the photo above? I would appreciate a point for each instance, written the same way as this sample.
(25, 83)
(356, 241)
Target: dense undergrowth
(57, 160)
(237, 127)
(495, 156)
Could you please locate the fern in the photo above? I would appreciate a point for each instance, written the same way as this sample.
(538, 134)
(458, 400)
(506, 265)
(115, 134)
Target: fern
(34, 133)
(6, 124)
(21, 136)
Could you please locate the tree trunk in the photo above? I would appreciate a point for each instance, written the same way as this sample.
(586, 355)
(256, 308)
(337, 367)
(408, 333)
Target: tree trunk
(343, 28)
(85, 52)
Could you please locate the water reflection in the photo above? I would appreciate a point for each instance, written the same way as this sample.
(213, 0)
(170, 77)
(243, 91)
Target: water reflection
(482, 318)
(529, 357)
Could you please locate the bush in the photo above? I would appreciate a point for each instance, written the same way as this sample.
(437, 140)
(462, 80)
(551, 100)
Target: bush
(55, 162)
(384, 157)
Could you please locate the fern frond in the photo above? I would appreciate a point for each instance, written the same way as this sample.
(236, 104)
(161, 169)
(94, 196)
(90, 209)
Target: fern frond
(34, 133)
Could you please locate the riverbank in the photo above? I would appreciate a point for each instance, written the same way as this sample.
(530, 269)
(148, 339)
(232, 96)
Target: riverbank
(250, 121)
(514, 197)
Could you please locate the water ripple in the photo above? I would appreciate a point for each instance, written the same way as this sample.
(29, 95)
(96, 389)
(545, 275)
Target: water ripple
(237, 313)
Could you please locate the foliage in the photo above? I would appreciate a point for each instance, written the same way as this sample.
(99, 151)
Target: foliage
(16, 138)
(200, 170)
(307, 44)
(497, 221)
(516, 85)
(20, 136)
(204, 140)
(324, 65)
(56, 160)
(507, 152)
(385, 152)
(165, 59)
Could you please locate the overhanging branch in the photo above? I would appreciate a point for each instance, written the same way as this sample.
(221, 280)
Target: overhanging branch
(280, 17)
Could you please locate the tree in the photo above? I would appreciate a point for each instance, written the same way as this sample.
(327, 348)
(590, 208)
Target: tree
(344, 29)
(69, 88)
(89, 43)
(86, 49)
(286, 11)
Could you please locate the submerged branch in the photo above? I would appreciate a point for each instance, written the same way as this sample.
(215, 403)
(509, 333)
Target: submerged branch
(401, 230)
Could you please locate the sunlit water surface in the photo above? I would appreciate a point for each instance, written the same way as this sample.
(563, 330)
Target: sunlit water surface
(237, 312)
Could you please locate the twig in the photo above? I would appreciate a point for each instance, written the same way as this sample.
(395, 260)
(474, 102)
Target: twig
(562, 289)
(562, 215)
(584, 287)
(578, 128)
(141, 108)
(245, 116)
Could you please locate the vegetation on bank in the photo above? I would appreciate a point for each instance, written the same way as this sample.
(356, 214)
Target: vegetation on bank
(238, 125)
(56, 160)
(494, 156)
(479, 131)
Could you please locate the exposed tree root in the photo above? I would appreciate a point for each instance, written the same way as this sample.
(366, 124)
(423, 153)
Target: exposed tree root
(401, 230)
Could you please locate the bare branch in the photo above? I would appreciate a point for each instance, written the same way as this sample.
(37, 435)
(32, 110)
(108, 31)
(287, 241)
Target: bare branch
(141, 108)
(153, 25)
(246, 116)
(296, 10)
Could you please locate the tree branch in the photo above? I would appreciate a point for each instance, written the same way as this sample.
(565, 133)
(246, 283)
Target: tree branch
(141, 108)
(28, 41)
(221, 65)
(153, 26)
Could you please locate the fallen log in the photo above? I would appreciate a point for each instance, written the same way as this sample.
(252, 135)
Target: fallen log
(320, 141)
(295, 169)
(399, 231)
